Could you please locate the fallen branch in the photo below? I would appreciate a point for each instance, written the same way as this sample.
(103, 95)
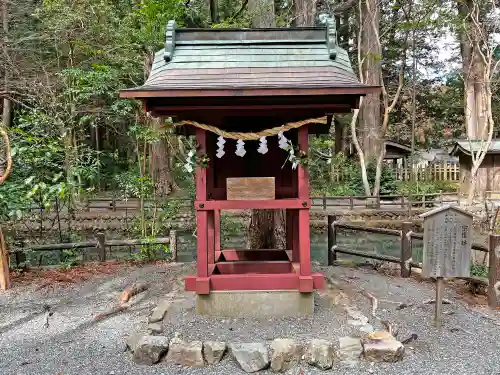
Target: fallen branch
(113, 311)
(374, 302)
(125, 297)
(132, 291)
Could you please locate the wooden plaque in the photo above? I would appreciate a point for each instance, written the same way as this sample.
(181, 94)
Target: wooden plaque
(250, 188)
(447, 242)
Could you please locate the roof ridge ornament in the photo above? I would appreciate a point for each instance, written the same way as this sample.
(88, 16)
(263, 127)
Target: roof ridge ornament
(169, 41)
(331, 37)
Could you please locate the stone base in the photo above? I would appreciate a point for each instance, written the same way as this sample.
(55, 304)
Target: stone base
(255, 303)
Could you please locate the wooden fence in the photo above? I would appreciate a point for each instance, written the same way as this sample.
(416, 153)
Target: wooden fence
(406, 235)
(99, 244)
(432, 172)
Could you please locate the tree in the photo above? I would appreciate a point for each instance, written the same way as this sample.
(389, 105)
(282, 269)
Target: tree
(7, 102)
(479, 21)
(267, 227)
(370, 70)
(473, 65)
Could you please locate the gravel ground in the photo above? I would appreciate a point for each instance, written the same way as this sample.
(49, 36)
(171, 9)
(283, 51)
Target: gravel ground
(75, 345)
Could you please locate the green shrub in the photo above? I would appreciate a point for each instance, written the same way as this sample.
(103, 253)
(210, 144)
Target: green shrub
(388, 185)
(418, 188)
(479, 270)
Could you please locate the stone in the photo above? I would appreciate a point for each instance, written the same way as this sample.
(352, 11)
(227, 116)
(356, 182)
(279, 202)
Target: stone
(357, 317)
(382, 347)
(150, 349)
(189, 354)
(251, 357)
(349, 348)
(320, 354)
(133, 339)
(367, 328)
(159, 311)
(155, 328)
(285, 354)
(213, 351)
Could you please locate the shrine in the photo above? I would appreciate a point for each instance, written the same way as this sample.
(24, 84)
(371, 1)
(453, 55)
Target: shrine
(251, 97)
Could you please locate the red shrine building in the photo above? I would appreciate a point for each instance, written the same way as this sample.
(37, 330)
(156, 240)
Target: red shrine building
(252, 97)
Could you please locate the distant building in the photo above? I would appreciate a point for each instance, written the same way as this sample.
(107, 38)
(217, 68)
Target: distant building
(488, 177)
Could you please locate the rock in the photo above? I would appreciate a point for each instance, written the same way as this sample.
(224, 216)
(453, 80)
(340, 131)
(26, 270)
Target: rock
(150, 349)
(382, 347)
(285, 354)
(159, 311)
(133, 339)
(189, 354)
(155, 328)
(367, 328)
(213, 351)
(349, 348)
(251, 357)
(320, 354)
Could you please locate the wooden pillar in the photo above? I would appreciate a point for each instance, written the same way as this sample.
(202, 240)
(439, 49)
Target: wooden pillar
(217, 230)
(4, 265)
(202, 281)
(406, 250)
(101, 245)
(494, 271)
(332, 241)
(173, 244)
(305, 279)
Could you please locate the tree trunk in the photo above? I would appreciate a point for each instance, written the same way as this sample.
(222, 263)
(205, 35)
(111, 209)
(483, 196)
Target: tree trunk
(370, 115)
(7, 103)
(267, 227)
(473, 71)
(159, 164)
(159, 160)
(214, 12)
(305, 12)
(267, 230)
(262, 13)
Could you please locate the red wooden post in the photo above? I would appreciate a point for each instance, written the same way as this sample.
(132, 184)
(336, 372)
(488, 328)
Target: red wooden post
(305, 279)
(217, 229)
(202, 282)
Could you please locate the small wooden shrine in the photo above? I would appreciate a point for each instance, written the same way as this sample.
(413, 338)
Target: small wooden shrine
(252, 97)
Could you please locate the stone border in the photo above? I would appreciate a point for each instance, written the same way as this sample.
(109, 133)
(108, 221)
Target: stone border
(282, 354)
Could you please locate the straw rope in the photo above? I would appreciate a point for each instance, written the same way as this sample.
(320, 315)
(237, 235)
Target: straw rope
(250, 136)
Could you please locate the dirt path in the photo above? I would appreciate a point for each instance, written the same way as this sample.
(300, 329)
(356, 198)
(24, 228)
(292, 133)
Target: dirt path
(76, 344)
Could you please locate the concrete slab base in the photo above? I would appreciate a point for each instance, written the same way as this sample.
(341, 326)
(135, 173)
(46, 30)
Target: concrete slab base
(255, 303)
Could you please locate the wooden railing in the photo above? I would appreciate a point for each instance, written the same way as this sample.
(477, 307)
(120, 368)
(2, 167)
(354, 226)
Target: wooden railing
(396, 201)
(352, 202)
(406, 235)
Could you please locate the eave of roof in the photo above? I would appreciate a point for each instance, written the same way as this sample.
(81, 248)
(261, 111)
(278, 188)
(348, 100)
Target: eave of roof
(467, 147)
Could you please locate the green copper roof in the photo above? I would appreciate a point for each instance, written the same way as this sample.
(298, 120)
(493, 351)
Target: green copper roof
(201, 59)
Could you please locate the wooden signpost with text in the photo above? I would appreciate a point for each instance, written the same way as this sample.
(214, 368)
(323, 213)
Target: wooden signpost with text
(447, 247)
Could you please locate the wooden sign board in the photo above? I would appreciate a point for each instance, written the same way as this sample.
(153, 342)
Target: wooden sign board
(250, 188)
(447, 242)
